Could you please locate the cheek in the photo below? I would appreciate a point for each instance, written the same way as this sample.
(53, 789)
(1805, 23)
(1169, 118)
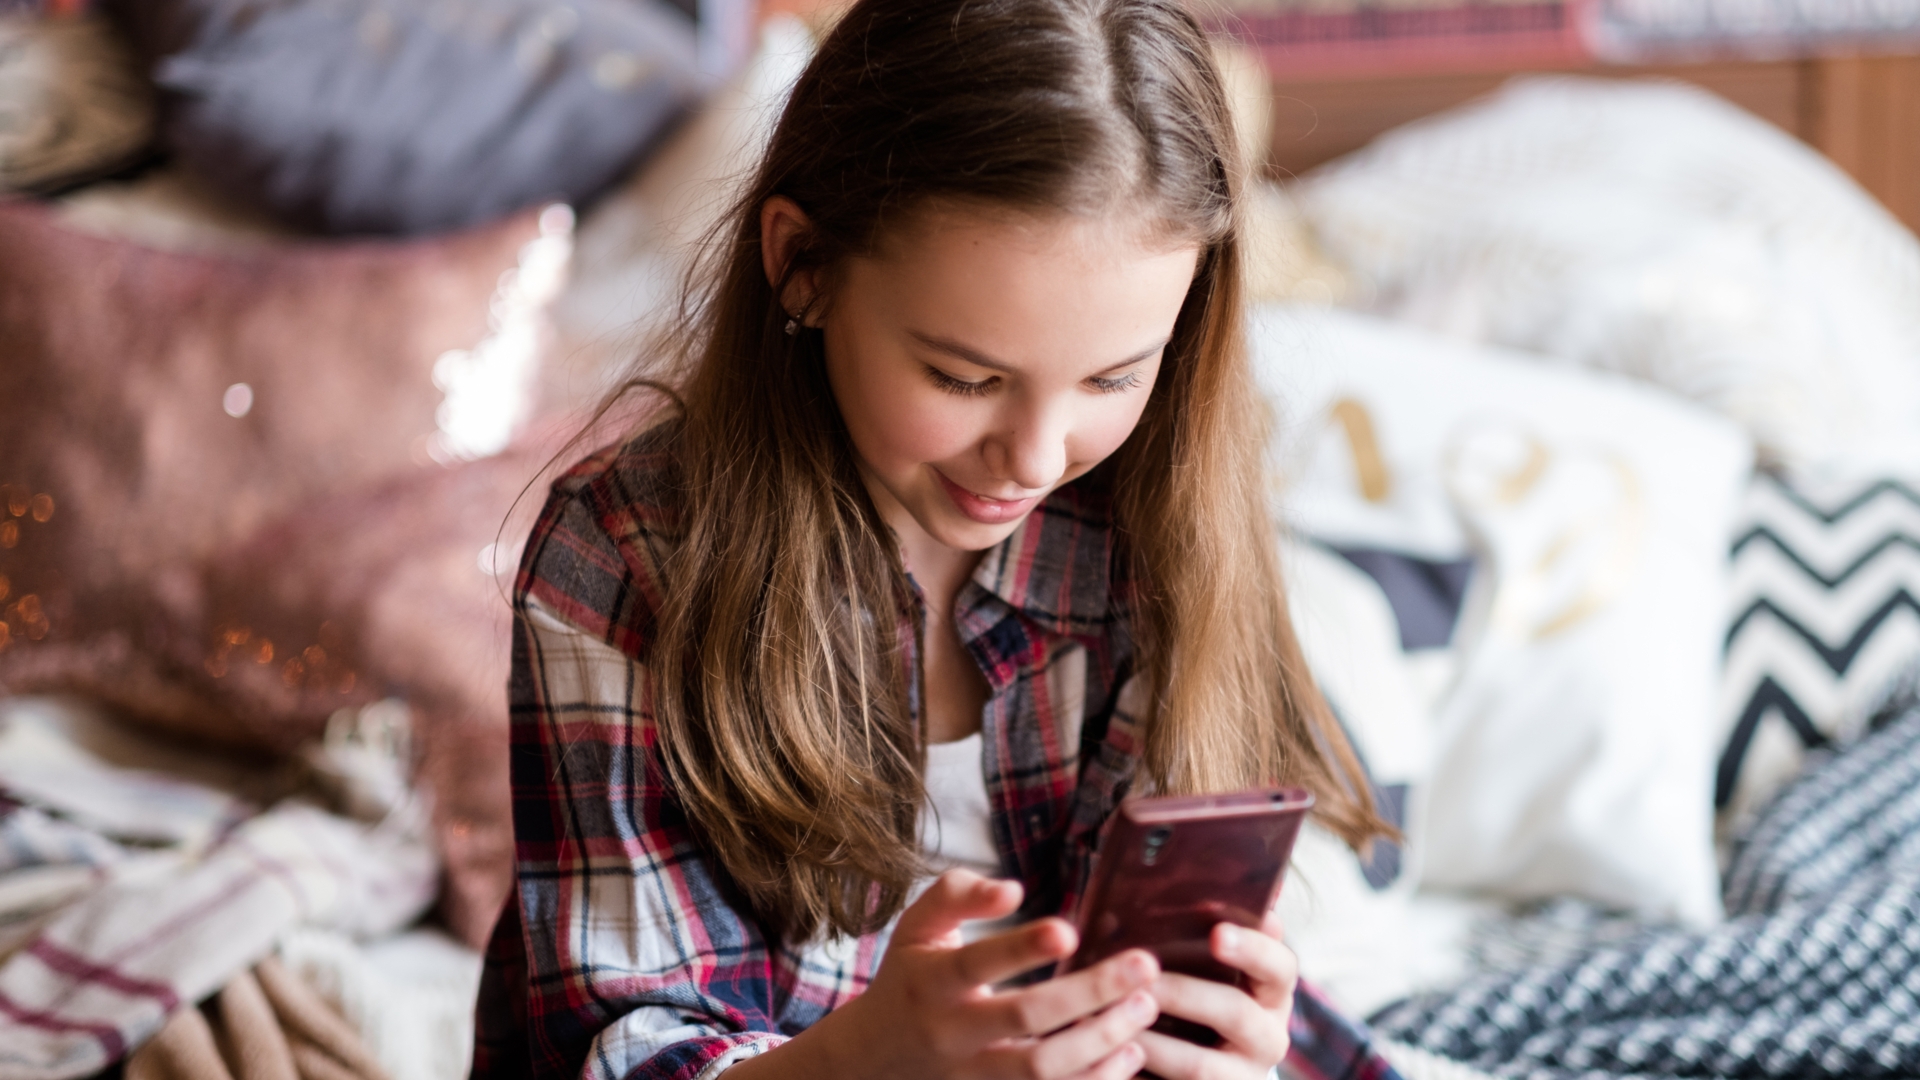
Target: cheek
(1103, 428)
(899, 421)
(916, 428)
(1106, 431)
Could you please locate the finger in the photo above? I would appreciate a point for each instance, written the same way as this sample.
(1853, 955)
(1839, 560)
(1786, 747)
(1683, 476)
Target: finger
(1094, 1039)
(1012, 952)
(1178, 1059)
(1087, 1045)
(1272, 969)
(1122, 1064)
(1259, 1033)
(954, 897)
(1053, 1005)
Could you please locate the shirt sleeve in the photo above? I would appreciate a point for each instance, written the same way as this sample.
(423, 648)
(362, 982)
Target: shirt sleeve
(632, 963)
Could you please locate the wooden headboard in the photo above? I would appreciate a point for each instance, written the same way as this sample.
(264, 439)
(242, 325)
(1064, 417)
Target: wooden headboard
(1862, 112)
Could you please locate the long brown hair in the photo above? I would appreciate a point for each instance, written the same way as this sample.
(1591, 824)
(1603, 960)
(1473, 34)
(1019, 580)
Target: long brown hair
(778, 654)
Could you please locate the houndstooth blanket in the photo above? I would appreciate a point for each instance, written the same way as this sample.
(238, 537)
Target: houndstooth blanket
(1816, 972)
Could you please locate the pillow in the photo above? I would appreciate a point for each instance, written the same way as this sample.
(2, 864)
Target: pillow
(1349, 919)
(1653, 230)
(73, 104)
(233, 514)
(1573, 745)
(361, 116)
(1425, 594)
(1825, 616)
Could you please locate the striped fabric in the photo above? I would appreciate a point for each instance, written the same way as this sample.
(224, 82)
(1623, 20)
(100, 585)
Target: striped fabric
(129, 892)
(622, 953)
(1826, 611)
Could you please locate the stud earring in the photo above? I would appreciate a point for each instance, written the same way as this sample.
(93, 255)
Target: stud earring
(792, 327)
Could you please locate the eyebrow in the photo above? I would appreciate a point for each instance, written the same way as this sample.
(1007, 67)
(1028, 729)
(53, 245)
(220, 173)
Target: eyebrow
(979, 359)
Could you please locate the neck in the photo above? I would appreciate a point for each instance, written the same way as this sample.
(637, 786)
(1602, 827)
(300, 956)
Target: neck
(940, 570)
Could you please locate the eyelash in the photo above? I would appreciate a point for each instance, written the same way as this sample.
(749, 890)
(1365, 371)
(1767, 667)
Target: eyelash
(958, 386)
(974, 389)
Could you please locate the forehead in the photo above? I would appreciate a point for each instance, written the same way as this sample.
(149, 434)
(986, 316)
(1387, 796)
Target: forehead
(1127, 228)
(1023, 287)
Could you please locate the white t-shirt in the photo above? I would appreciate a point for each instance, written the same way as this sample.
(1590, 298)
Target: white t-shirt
(956, 828)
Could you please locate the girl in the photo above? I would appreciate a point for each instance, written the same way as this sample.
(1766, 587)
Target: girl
(957, 533)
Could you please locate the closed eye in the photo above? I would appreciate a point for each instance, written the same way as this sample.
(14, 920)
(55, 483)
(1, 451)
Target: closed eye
(1114, 386)
(959, 386)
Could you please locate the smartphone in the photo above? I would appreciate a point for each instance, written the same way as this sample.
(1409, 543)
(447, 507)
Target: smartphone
(1171, 868)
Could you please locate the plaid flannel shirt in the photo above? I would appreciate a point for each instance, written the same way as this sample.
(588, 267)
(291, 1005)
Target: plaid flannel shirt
(621, 952)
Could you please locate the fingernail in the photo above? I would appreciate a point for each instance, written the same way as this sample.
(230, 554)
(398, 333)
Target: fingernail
(1140, 1006)
(1229, 938)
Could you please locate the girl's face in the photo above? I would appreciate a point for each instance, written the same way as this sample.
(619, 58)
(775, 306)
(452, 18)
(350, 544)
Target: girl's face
(981, 361)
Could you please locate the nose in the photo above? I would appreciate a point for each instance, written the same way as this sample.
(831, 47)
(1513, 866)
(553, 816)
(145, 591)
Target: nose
(1029, 446)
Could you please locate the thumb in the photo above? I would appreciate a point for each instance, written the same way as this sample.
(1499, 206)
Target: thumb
(955, 897)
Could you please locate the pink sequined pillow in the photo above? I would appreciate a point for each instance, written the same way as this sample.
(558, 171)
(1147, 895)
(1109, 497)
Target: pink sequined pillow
(233, 500)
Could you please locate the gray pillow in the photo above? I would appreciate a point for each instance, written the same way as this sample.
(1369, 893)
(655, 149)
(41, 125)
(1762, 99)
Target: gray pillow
(410, 116)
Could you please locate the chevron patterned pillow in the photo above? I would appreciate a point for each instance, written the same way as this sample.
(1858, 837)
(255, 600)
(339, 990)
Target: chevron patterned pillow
(1825, 616)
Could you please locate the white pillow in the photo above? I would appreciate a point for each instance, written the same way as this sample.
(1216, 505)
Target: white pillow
(1652, 229)
(1354, 936)
(1574, 750)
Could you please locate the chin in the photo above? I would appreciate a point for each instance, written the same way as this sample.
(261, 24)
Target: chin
(962, 533)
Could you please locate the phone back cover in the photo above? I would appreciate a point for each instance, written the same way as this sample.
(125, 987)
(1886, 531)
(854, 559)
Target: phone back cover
(1167, 897)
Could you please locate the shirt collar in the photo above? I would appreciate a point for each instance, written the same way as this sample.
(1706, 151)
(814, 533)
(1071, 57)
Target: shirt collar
(1057, 566)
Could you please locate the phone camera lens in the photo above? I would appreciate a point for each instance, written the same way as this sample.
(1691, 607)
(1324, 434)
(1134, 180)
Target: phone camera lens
(1156, 839)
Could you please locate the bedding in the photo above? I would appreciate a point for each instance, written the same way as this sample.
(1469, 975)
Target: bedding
(1816, 973)
(247, 500)
(1347, 917)
(1573, 736)
(171, 885)
(408, 997)
(73, 105)
(1426, 595)
(1654, 230)
(369, 117)
(168, 209)
(263, 1025)
(636, 244)
(1825, 613)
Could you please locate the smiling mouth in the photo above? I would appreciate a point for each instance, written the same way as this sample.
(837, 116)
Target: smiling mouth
(981, 508)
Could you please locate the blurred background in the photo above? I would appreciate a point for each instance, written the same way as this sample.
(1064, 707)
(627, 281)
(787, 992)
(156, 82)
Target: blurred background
(1591, 329)
(1839, 75)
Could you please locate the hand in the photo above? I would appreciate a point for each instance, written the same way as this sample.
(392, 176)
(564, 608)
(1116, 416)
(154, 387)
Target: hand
(1252, 1022)
(931, 1010)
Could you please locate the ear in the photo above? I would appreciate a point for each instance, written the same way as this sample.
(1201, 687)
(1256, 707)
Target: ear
(783, 226)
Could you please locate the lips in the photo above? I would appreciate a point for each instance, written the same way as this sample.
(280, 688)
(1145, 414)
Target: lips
(986, 511)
